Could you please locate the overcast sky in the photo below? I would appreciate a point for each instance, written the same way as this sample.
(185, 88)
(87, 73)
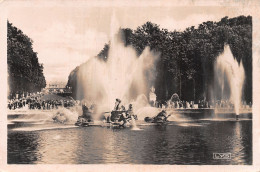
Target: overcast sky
(67, 35)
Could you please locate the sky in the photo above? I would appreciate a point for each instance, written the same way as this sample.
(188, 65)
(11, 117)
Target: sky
(65, 36)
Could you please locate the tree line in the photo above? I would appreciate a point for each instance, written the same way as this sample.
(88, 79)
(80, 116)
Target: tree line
(186, 64)
(25, 73)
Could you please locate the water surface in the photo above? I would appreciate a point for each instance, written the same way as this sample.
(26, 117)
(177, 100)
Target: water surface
(191, 141)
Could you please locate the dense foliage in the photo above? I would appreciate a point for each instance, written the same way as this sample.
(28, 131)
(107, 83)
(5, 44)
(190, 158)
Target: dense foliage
(186, 64)
(25, 74)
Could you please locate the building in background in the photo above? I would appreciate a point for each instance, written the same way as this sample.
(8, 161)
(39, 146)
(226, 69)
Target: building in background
(57, 88)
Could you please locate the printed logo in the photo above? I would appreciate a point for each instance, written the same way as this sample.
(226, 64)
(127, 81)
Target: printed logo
(221, 155)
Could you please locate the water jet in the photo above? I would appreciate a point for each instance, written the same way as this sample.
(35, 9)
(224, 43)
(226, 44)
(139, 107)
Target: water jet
(230, 77)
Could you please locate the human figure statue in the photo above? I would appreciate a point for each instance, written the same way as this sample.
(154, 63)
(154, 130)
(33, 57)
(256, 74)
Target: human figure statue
(152, 96)
(117, 105)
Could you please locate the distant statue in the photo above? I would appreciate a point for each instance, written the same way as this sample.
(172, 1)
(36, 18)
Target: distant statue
(152, 89)
(152, 96)
(175, 97)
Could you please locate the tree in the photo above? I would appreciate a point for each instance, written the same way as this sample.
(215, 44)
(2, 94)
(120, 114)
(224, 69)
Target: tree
(25, 74)
(188, 57)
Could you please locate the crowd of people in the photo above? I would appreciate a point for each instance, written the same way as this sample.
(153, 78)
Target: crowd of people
(181, 104)
(200, 104)
(35, 101)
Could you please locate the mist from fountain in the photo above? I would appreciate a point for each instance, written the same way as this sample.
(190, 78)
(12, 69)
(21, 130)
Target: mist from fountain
(229, 71)
(123, 75)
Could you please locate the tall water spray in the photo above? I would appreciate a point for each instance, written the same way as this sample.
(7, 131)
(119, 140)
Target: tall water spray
(229, 71)
(123, 75)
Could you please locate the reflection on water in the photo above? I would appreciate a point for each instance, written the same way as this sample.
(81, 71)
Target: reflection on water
(180, 142)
